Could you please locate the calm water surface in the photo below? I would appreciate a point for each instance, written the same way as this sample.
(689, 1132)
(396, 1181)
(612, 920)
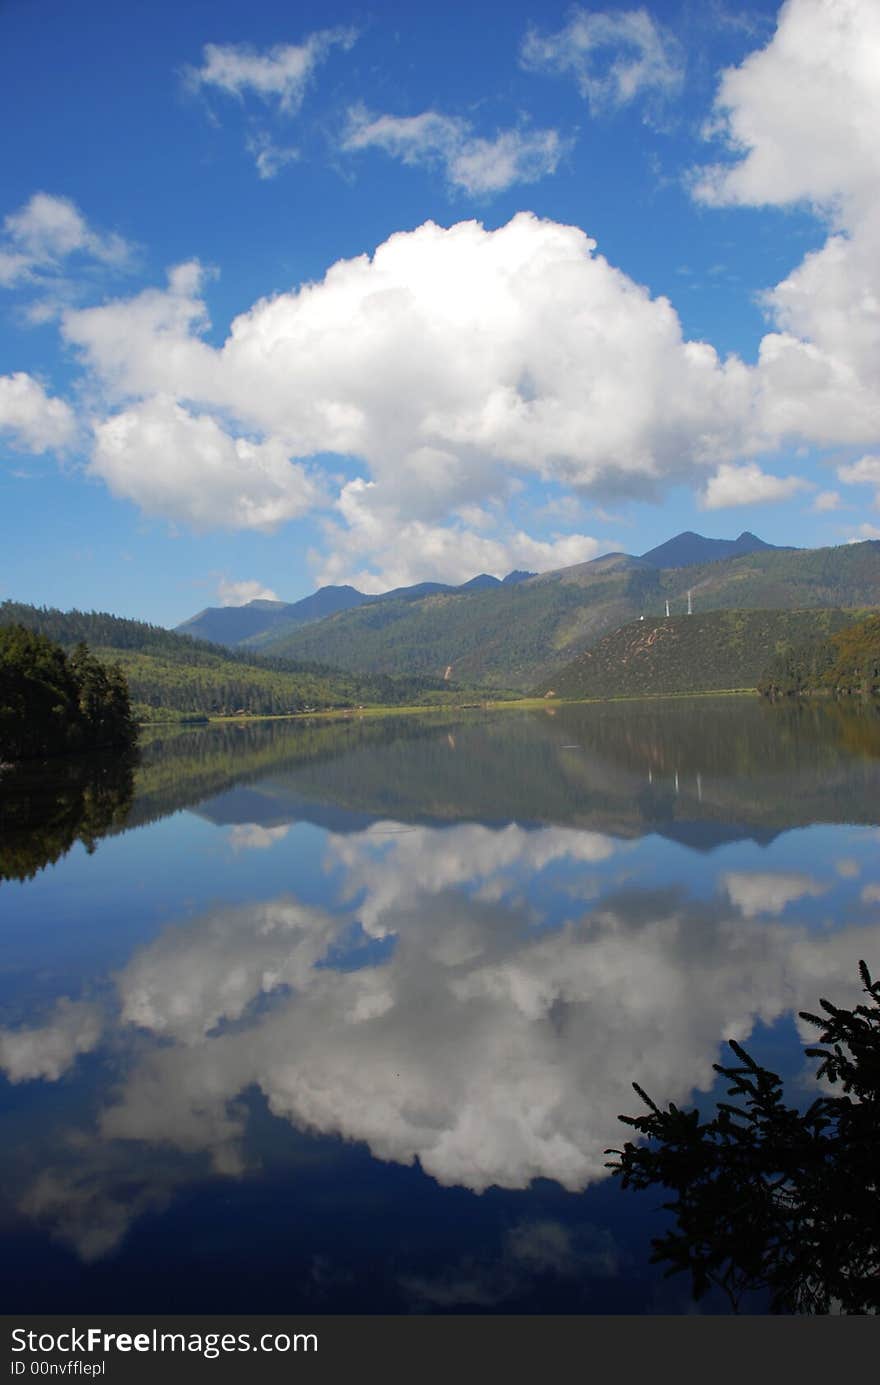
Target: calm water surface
(340, 1017)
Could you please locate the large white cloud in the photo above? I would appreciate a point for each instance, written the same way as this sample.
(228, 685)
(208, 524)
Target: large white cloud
(800, 117)
(398, 552)
(490, 1047)
(453, 363)
(803, 112)
(479, 348)
(31, 419)
(492, 1050)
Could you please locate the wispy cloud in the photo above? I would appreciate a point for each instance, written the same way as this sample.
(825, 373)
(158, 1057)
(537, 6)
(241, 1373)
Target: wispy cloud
(279, 75)
(269, 157)
(613, 56)
(473, 163)
(240, 593)
(42, 235)
(825, 501)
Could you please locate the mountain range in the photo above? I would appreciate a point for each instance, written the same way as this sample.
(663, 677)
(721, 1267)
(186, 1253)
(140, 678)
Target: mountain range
(260, 623)
(512, 636)
(619, 622)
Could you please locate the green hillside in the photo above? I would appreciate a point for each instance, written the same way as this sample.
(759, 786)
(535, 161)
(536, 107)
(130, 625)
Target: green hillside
(846, 663)
(699, 653)
(515, 636)
(169, 673)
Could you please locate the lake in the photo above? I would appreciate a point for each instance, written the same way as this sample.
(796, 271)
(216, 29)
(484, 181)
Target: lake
(339, 1016)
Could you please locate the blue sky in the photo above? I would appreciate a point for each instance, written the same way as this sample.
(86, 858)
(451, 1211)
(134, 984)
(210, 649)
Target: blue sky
(322, 293)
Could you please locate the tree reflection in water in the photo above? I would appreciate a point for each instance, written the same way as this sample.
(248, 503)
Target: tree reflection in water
(48, 806)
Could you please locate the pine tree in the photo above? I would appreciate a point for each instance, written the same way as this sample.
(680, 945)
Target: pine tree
(769, 1199)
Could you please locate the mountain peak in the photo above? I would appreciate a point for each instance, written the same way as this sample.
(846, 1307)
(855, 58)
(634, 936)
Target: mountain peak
(688, 549)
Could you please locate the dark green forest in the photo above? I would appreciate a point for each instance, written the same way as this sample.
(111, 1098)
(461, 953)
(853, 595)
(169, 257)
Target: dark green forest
(57, 703)
(846, 663)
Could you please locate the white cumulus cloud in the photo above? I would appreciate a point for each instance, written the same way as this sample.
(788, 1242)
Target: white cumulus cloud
(799, 118)
(184, 466)
(747, 485)
(492, 1052)
(801, 114)
(31, 419)
(453, 363)
(400, 552)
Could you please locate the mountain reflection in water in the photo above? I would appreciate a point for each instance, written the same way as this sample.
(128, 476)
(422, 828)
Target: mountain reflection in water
(364, 972)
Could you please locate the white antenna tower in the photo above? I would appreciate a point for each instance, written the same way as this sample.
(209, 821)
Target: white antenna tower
(690, 605)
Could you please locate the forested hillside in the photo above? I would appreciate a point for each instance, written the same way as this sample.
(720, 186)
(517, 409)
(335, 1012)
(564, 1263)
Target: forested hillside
(712, 651)
(846, 663)
(172, 673)
(512, 636)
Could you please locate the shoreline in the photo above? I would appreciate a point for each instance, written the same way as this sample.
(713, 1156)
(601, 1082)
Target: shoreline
(486, 705)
